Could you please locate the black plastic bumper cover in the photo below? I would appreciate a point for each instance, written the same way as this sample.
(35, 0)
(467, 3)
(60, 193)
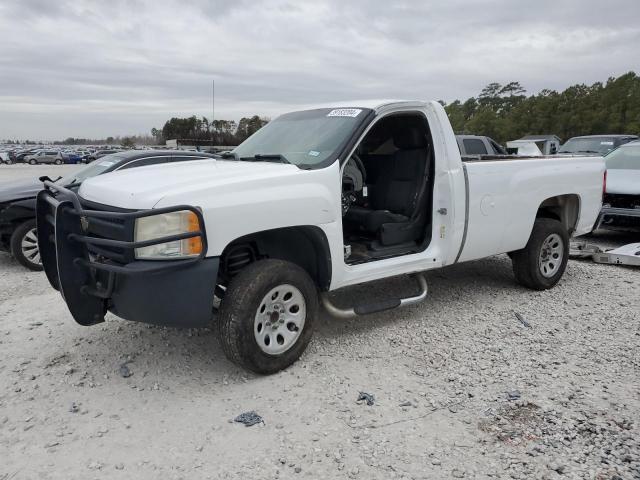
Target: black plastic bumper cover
(176, 293)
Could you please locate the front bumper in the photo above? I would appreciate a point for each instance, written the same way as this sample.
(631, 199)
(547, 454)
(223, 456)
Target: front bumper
(613, 214)
(88, 255)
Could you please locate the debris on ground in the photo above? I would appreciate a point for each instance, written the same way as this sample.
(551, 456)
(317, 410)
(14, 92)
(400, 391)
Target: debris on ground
(124, 371)
(522, 320)
(249, 419)
(513, 395)
(366, 397)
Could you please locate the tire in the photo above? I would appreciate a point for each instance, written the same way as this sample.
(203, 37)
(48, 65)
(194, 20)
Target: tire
(32, 161)
(9, 162)
(24, 246)
(542, 262)
(58, 161)
(245, 329)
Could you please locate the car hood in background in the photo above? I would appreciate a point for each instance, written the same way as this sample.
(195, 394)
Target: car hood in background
(11, 191)
(623, 182)
(144, 187)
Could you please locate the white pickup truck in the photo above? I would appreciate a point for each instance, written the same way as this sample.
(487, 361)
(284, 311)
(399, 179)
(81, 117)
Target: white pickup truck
(315, 201)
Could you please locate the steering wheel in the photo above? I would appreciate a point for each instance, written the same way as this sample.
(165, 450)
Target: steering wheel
(349, 196)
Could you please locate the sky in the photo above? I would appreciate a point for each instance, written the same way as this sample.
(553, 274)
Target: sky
(93, 69)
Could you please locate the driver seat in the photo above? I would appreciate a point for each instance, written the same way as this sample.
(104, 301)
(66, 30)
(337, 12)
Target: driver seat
(397, 201)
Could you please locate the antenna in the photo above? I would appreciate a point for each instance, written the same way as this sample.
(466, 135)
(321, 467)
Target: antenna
(213, 96)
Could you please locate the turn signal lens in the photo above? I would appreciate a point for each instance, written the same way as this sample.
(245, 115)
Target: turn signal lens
(194, 244)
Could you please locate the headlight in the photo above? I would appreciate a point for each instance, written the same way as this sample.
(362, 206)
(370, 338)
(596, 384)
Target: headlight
(164, 225)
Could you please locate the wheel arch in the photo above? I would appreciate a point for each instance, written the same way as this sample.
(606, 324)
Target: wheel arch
(564, 208)
(305, 245)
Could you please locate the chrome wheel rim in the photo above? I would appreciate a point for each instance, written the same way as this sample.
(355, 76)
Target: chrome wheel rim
(551, 255)
(279, 320)
(29, 247)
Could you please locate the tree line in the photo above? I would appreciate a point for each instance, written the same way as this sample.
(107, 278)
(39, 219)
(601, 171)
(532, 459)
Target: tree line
(218, 132)
(505, 112)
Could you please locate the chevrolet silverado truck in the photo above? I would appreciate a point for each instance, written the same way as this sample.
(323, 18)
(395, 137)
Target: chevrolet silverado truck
(315, 201)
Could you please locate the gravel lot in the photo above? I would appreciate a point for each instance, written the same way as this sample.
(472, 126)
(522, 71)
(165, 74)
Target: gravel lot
(463, 388)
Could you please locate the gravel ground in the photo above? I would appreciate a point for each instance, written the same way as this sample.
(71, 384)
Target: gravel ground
(462, 387)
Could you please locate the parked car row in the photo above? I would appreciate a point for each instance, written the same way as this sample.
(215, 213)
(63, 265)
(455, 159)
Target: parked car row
(18, 199)
(53, 155)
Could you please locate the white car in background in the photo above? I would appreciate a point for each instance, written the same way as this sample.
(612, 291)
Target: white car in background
(621, 203)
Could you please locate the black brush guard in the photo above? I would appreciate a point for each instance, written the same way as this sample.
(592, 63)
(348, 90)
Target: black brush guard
(95, 274)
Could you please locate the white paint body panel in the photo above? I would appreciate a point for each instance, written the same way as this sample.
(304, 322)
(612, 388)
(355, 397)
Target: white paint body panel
(505, 195)
(239, 198)
(623, 181)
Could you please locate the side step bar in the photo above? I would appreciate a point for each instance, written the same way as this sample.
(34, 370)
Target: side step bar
(379, 306)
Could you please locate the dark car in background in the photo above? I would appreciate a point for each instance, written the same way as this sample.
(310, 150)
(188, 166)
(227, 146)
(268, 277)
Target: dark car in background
(71, 157)
(595, 144)
(101, 153)
(621, 202)
(18, 199)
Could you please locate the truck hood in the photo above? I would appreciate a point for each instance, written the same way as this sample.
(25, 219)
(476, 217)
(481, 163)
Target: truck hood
(623, 182)
(144, 187)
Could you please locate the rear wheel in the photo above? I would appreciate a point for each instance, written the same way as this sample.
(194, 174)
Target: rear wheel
(542, 262)
(24, 246)
(58, 161)
(267, 316)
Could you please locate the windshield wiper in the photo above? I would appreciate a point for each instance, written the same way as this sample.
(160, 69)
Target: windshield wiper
(227, 155)
(266, 157)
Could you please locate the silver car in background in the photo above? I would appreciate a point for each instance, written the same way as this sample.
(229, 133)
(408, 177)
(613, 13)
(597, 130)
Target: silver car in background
(45, 156)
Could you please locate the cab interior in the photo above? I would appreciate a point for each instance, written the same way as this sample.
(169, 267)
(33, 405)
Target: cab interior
(387, 190)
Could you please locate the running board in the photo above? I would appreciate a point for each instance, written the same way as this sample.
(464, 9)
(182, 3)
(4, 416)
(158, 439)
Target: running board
(379, 306)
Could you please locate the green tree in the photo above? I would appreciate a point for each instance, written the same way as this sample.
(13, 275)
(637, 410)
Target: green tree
(128, 142)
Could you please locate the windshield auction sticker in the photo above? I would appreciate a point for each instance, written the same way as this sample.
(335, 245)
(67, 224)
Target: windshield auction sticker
(344, 112)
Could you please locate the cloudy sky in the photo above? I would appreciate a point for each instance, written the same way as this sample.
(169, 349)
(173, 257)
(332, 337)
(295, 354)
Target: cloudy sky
(96, 68)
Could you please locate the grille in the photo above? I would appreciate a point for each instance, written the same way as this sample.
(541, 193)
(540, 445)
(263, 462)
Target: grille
(111, 229)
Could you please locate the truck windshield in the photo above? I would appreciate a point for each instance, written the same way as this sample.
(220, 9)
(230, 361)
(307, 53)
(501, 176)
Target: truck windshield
(303, 138)
(599, 145)
(624, 158)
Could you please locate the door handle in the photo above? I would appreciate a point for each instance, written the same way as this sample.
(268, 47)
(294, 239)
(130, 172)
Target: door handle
(442, 211)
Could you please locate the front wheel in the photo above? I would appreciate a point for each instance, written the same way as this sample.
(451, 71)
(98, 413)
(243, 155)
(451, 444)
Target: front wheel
(24, 246)
(58, 161)
(267, 316)
(32, 161)
(542, 262)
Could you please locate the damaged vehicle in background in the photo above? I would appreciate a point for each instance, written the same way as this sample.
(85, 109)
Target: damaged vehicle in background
(595, 144)
(18, 199)
(621, 203)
